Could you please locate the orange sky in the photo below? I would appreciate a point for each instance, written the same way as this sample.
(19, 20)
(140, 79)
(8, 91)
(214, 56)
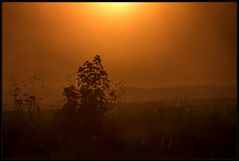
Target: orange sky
(143, 44)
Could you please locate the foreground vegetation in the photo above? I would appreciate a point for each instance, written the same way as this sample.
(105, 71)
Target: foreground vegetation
(146, 130)
(93, 123)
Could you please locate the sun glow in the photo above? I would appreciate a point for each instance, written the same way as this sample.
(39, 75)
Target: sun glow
(117, 7)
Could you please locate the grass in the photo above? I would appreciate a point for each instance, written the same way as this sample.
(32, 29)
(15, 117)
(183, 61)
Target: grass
(145, 130)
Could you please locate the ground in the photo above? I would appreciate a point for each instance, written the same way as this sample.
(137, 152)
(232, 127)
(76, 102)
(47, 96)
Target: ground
(196, 130)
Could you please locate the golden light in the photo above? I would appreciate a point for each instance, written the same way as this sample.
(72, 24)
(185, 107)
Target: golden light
(119, 4)
(116, 5)
(113, 7)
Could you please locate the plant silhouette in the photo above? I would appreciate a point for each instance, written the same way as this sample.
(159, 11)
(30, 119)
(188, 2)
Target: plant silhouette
(88, 99)
(21, 98)
(15, 90)
(92, 89)
(94, 123)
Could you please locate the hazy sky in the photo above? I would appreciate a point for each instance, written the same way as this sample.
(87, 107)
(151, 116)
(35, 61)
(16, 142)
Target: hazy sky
(143, 44)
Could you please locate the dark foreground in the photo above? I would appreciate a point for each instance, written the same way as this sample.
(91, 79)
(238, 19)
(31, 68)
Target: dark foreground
(147, 130)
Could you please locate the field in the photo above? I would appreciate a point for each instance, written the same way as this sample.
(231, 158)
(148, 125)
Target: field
(203, 129)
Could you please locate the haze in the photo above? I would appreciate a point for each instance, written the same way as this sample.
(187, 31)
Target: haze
(146, 45)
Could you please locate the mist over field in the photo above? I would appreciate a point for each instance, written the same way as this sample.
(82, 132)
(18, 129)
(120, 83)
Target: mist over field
(119, 80)
(52, 98)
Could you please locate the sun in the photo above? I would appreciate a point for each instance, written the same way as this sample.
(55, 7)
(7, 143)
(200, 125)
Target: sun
(115, 6)
(118, 4)
(110, 11)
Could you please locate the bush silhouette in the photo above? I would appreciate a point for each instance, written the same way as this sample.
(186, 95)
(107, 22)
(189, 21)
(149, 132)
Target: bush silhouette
(92, 89)
(87, 99)
(94, 85)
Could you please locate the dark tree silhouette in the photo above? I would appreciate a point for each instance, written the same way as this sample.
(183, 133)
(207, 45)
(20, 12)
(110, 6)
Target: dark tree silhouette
(92, 89)
(72, 96)
(89, 99)
(94, 84)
